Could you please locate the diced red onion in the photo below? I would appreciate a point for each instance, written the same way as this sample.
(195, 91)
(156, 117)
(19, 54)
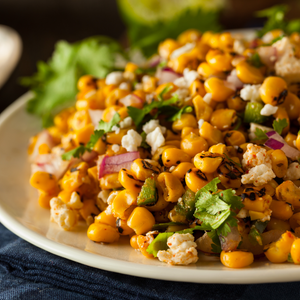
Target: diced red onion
(166, 75)
(274, 144)
(231, 241)
(89, 156)
(154, 61)
(232, 78)
(113, 164)
(96, 116)
(268, 55)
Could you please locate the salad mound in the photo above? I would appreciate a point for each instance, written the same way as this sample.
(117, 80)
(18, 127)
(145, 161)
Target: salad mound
(195, 150)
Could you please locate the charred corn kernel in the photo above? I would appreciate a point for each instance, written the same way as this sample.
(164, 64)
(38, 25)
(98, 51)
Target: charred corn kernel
(161, 203)
(236, 259)
(166, 47)
(257, 215)
(195, 179)
(184, 121)
(124, 203)
(44, 199)
(43, 181)
(202, 109)
(206, 71)
(86, 82)
(295, 251)
(212, 135)
(281, 114)
(141, 220)
(133, 242)
(232, 152)
(143, 244)
(123, 227)
(197, 88)
(171, 86)
(105, 218)
(235, 102)
(253, 200)
(281, 210)
(187, 130)
(193, 144)
(279, 163)
(295, 220)
(75, 177)
(292, 106)
(103, 233)
(277, 224)
(219, 60)
(223, 119)
(173, 156)
(171, 186)
(44, 149)
(288, 192)
(234, 138)
(110, 181)
(100, 147)
(229, 174)
(273, 90)
(89, 208)
(61, 119)
(116, 138)
(109, 112)
(291, 139)
(114, 97)
(83, 135)
(219, 148)
(277, 252)
(218, 88)
(189, 36)
(128, 180)
(144, 168)
(181, 170)
(207, 162)
(249, 74)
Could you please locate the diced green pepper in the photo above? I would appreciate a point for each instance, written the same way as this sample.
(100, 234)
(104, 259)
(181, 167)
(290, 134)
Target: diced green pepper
(148, 193)
(255, 236)
(252, 113)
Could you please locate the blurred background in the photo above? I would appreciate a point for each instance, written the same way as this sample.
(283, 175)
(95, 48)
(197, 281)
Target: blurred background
(42, 23)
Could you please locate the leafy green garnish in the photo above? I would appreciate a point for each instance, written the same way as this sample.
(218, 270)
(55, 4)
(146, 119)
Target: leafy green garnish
(280, 125)
(255, 61)
(54, 86)
(260, 134)
(255, 236)
(184, 110)
(216, 245)
(102, 128)
(165, 90)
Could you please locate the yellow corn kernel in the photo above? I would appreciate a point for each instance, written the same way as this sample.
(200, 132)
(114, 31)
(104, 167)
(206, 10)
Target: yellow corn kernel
(106, 218)
(257, 215)
(207, 162)
(273, 90)
(295, 251)
(103, 233)
(249, 74)
(253, 201)
(141, 220)
(44, 199)
(281, 210)
(187, 130)
(189, 36)
(166, 47)
(109, 112)
(279, 163)
(173, 156)
(161, 203)
(171, 186)
(219, 60)
(92, 99)
(295, 220)
(206, 71)
(131, 67)
(79, 120)
(175, 143)
(170, 136)
(181, 170)
(83, 135)
(172, 88)
(133, 242)
(143, 243)
(226, 41)
(292, 106)
(184, 121)
(114, 97)
(219, 148)
(128, 181)
(280, 114)
(218, 88)
(202, 109)
(61, 119)
(158, 154)
(277, 252)
(100, 147)
(65, 195)
(89, 208)
(86, 82)
(223, 119)
(110, 181)
(290, 139)
(193, 144)
(150, 85)
(288, 192)
(44, 149)
(197, 88)
(234, 138)
(207, 36)
(116, 138)
(236, 259)
(124, 203)
(144, 168)
(235, 102)
(277, 224)
(123, 227)
(212, 135)
(195, 179)
(43, 181)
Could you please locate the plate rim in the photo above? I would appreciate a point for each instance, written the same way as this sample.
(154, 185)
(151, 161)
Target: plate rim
(163, 272)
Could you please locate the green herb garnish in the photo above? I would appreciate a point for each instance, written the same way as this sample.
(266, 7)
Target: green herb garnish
(280, 125)
(260, 134)
(255, 61)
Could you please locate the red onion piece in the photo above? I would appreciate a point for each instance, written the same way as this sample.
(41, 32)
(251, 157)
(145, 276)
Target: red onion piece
(231, 241)
(166, 75)
(274, 144)
(96, 116)
(270, 133)
(89, 156)
(232, 78)
(113, 164)
(154, 61)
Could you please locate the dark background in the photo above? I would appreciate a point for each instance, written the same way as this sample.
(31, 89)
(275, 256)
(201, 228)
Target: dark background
(41, 23)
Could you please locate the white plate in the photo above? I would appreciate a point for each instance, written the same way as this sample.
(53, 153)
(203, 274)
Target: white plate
(10, 51)
(20, 212)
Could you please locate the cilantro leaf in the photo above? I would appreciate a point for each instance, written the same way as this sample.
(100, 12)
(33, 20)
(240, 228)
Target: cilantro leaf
(77, 152)
(260, 134)
(177, 116)
(255, 61)
(280, 125)
(216, 246)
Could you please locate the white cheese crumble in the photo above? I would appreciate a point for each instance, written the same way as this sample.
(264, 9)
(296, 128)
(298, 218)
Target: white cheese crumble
(238, 47)
(111, 197)
(155, 139)
(293, 172)
(182, 250)
(75, 201)
(182, 94)
(152, 125)
(145, 78)
(180, 82)
(268, 110)
(190, 76)
(114, 78)
(207, 98)
(200, 123)
(131, 141)
(115, 148)
(243, 213)
(62, 214)
(116, 129)
(250, 92)
(184, 49)
(254, 156)
(124, 86)
(258, 175)
(127, 122)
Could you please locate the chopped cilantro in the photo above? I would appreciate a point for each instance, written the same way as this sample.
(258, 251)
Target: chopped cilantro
(177, 116)
(77, 152)
(255, 61)
(260, 134)
(167, 89)
(280, 125)
(216, 245)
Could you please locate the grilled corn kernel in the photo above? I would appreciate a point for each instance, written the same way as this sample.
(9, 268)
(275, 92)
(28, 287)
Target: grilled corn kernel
(197, 88)
(144, 168)
(218, 88)
(249, 74)
(279, 163)
(223, 119)
(181, 170)
(116, 138)
(292, 106)
(104, 233)
(109, 112)
(44, 199)
(128, 181)
(212, 135)
(219, 60)
(202, 109)
(86, 82)
(110, 181)
(89, 208)
(295, 220)
(219, 148)
(195, 179)
(172, 156)
(229, 174)
(253, 200)
(235, 102)
(166, 47)
(187, 130)
(123, 227)
(291, 139)
(207, 162)
(43, 181)
(106, 218)
(124, 203)
(161, 202)
(281, 210)
(83, 135)
(288, 192)
(236, 259)
(234, 138)
(193, 144)
(184, 121)
(141, 220)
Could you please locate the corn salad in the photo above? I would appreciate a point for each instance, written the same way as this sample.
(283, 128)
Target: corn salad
(197, 150)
